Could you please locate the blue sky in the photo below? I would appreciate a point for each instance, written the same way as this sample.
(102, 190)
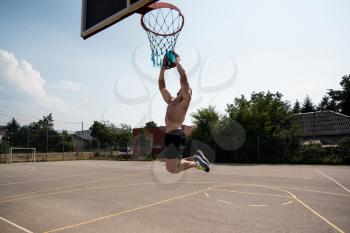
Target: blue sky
(232, 48)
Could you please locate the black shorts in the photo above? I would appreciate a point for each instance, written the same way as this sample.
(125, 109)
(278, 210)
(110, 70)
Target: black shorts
(175, 142)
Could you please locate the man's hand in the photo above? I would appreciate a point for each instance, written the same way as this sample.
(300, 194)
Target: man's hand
(166, 65)
(177, 58)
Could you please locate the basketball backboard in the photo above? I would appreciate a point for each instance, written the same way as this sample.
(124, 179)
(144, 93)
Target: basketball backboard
(100, 14)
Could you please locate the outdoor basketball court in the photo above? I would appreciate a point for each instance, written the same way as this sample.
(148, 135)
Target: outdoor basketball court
(111, 196)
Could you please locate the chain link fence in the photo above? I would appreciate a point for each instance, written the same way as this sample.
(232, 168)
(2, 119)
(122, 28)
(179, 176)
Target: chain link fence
(256, 149)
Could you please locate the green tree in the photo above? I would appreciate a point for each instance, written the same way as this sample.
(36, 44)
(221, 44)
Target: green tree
(151, 124)
(46, 122)
(43, 136)
(67, 140)
(264, 113)
(142, 145)
(206, 124)
(342, 97)
(344, 147)
(123, 135)
(101, 133)
(296, 107)
(4, 147)
(264, 117)
(204, 120)
(327, 104)
(12, 129)
(107, 134)
(308, 106)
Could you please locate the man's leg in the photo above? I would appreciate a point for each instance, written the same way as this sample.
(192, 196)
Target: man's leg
(178, 165)
(186, 164)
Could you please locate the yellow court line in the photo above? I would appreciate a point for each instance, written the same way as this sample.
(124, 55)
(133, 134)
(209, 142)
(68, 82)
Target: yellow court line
(301, 202)
(56, 178)
(320, 216)
(66, 186)
(260, 194)
(19, 174)
(75, 190)
(210, 188)
(126, 211)
(96, 187)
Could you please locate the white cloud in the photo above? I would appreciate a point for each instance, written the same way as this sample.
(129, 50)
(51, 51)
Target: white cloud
(68, 85)
(21, 80)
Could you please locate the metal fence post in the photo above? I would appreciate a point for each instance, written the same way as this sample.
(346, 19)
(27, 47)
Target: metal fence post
(27, 142)
(47, 142)
(258, 148)
(63, 145)
(235, 150)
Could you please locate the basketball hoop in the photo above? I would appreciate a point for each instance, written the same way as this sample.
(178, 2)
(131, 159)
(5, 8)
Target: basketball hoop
(163, 23)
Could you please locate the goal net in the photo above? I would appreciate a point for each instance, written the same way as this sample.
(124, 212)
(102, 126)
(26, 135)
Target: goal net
(19, 154)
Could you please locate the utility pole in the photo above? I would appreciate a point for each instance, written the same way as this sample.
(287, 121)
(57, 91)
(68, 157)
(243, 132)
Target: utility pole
(27, 136)
(63, 144)
(313, 136)
(258, 148)
(47, 141)
(235, 151)
(90, 144)
(27, 142)
(82, 137)
(7, 143)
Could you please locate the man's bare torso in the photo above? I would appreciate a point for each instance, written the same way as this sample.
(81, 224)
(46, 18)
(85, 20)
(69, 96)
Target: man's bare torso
(176, 112)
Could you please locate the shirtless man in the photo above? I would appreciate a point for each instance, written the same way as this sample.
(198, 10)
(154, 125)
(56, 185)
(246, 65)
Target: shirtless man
(175, 115)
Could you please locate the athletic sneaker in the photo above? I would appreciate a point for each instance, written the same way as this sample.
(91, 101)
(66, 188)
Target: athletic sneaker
(202, 161)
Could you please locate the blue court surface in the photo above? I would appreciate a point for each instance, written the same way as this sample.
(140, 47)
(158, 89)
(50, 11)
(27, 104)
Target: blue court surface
(113, 196)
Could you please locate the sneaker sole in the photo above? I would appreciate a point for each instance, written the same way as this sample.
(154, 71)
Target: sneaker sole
(201, 154)
(204, 165)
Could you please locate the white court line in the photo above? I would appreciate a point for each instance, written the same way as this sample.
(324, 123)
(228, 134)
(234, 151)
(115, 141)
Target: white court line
(310, 190)
(258, 205)
(293, 196)
(227, 202)
(15, 225)
(287, 203)
(333, 180)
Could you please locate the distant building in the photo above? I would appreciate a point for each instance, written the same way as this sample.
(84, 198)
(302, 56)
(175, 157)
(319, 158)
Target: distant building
(2, 132)
(155, 137)
(82, 137)
(326, 127)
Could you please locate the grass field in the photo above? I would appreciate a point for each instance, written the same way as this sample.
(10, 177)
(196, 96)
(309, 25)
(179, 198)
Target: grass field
(115, 196)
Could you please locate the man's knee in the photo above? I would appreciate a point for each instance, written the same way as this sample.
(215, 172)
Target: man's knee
(172, 170)
(172, 166)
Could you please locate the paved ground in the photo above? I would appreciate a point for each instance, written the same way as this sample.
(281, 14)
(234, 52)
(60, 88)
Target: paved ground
(111, 196)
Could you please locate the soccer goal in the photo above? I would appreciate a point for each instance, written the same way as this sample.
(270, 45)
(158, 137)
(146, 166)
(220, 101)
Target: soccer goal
(19, 154)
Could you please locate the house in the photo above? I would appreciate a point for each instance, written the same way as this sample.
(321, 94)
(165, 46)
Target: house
(326, 127)
(82, 137)
(2, 132)
(154, 137)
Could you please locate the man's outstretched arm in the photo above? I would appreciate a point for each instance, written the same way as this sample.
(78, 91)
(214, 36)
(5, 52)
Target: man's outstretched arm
(162, 88)
(185, 87)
